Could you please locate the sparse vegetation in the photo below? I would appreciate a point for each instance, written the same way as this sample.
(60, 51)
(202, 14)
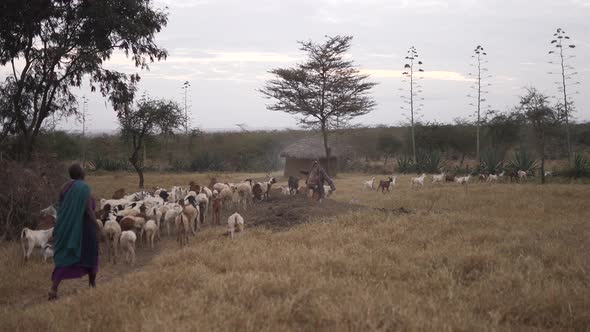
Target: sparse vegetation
(466, 258)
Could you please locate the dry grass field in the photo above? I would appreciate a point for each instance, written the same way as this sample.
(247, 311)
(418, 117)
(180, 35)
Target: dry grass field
(481, 257)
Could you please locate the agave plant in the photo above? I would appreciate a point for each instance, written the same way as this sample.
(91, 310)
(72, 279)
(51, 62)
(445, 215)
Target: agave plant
(521, 161)
(491, 162)
(581, 166)
(405, 165)
(429, 162)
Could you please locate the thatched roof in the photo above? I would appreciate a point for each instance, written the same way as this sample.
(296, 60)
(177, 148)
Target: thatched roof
(309, 148)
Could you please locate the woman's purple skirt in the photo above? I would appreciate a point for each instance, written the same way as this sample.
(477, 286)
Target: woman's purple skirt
(73, 272)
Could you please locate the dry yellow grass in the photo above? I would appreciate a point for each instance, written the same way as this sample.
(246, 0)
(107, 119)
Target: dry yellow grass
(502, 257)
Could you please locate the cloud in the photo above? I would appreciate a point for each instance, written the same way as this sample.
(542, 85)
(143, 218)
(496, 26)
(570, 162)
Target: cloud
(432, 75)
(235, 57)
(583, 3)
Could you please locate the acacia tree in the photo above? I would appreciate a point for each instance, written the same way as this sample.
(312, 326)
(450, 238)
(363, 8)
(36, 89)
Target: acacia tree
(51, 46)
(149, 117)
(562, 44)
(534, 108)
(325, 91)
(412, 69)
(479, 76)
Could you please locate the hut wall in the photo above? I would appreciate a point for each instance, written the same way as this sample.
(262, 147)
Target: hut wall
(293, 166)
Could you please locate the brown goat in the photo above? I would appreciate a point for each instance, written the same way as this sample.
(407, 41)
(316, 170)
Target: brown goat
(126, 223)
(119, 193)
(385, 185)
(257, 191)
(194, 187)
(45, 222)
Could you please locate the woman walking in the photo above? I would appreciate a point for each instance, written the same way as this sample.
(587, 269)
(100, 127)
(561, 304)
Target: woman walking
(75, 233)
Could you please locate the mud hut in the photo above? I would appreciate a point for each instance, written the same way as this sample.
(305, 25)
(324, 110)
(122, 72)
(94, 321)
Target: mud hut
(300, 155)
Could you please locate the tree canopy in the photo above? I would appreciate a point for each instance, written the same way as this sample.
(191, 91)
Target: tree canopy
(326, 91)
(51, 46)
(149, 117)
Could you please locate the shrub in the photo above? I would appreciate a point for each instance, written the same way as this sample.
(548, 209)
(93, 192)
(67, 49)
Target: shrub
(405, 165)
(463, 170)
(580, 168)
(111, 165)
(429, 162)
(521, 161)
(491, 162)
(206, 162)
(27, 189)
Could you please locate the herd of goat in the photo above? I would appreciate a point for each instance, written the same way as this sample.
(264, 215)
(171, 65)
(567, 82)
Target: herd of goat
(386, 185)
(127, 220)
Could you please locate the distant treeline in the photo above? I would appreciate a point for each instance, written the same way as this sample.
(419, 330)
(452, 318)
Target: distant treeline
(258, 151)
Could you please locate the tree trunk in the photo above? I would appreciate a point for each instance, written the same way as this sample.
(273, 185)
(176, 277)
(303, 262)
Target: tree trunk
(542, 143)
(326, 147)
(134, 160)
(139, 171)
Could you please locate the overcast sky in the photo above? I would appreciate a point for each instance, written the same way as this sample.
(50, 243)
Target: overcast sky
(225, 48)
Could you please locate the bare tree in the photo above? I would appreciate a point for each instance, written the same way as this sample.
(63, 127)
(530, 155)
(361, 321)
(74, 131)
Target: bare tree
(149, 117)
(479, 76)
(412, 70)
(324, 91)
(562, 44)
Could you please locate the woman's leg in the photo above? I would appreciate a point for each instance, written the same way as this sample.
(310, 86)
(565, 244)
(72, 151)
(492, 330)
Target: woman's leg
(92, 279)
(53, 291)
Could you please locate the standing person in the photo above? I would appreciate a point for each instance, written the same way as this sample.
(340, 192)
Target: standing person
(315, 181)
(75, 233)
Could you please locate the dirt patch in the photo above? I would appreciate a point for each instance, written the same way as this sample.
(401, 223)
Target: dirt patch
(281, 212)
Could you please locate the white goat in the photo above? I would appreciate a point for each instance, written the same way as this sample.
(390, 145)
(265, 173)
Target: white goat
(438, 178)
(114, 202)
(492, 178)
(463, 179)
(226, 196)
(127, 242)
(522, 175)
(31, 239)
(170, 212)
(369, 184)
(203, 203)
(151, 230)
(47, 252)
(235, 220)
(112, 232)
(419, 181)
(328, 190)
(244, 193)
(220, 186)
(266, 186)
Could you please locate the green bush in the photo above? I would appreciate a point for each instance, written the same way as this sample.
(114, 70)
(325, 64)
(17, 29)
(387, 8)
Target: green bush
(491, 162)
(112, 165)
(429, 162)
(580, 168)
(207, 162)
(521, 161)
(463, 170)
(405, 165)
